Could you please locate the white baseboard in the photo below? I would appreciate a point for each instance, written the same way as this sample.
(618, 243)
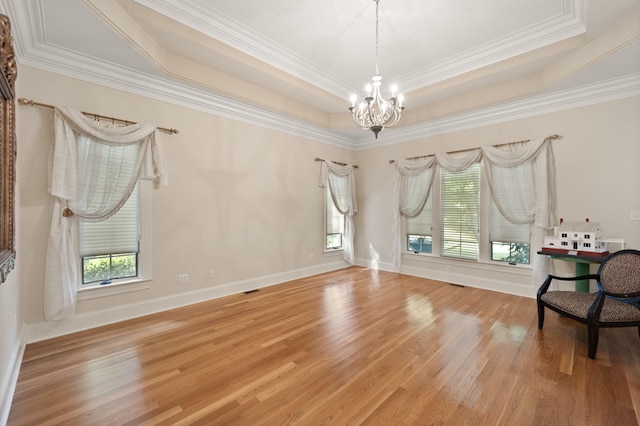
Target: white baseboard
(472, 281)
(47, 330)
(8, 383)
(373, 264)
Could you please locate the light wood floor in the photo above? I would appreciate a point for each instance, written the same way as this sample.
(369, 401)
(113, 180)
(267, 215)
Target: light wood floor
(355, 346)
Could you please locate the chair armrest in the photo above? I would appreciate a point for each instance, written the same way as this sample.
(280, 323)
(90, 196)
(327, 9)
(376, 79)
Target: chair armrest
(547, 282)
(581, 277)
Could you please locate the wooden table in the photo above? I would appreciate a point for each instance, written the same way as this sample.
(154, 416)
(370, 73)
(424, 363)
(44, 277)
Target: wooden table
(582, 262)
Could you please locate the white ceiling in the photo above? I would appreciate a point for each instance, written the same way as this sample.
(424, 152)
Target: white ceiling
(293, 64)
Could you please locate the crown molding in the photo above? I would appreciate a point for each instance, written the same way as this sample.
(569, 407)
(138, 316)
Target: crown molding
(201, 16)
(569, 23)
(70, 64)
(605, 91)
(207, 20)
(33, 50)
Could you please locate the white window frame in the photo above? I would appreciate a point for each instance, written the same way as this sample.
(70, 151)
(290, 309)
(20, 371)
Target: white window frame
(140, 282)
(329, 203)
(484, 227)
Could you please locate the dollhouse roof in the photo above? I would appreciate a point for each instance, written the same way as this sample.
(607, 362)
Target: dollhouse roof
(579, 227)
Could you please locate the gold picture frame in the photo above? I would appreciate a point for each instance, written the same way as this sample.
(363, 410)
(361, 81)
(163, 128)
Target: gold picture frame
(7, 150)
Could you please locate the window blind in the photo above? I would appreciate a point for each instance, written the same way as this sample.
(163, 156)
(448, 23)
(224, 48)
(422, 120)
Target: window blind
(116, 235)
(504, 231)
(335, 219)
(460, 211)
(423, 223)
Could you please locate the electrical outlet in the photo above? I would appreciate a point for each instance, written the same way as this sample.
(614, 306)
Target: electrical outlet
(183, 278)
(210, 275)
(635, 215)
(449, 268)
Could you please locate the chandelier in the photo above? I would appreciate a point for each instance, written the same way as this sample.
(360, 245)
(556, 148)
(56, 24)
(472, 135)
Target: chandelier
(374, 112)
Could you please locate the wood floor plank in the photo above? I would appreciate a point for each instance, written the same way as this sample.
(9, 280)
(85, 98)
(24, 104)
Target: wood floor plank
(355, 346)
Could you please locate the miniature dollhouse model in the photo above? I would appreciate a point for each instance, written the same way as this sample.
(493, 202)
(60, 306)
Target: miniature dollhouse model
(577, 238)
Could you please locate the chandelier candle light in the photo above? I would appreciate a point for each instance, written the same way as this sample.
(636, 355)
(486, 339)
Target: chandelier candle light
(374, 112)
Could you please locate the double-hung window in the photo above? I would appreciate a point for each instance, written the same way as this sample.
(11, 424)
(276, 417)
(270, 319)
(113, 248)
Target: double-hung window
(460, 213)
(420, 229)
(509, 241)
(461, 199)
(334, 223)
(109, 249)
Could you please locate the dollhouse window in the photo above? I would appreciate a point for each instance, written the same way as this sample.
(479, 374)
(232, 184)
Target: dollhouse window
(564, 235)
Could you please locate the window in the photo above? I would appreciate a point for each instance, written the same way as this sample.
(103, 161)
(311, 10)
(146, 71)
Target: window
(113, 250)
(109, 249)
(460, 213)
(509, 241)
(419, 230)
(334, 223)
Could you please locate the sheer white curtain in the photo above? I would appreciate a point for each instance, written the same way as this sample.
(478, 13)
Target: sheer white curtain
(93, 168)
(342, 184)
(522, 183)
(412, 182)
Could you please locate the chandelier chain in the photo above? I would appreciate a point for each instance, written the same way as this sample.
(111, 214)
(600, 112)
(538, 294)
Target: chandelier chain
(377, 31)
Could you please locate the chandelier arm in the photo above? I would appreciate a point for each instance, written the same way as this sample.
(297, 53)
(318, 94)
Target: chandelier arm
(375, 113)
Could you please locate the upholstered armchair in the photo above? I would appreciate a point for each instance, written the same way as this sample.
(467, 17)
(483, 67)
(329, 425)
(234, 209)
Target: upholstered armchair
(614, 304)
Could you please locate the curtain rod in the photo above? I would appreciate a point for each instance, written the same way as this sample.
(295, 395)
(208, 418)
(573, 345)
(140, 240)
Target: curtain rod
(337, 162)
(30, 102)
(471, 149)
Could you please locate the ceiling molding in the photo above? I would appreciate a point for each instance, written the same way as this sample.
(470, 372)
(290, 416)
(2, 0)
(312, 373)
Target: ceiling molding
(607, 91)
(207, 20)
(215, 24)
(33, 50)
(70, 64)
(558, 28)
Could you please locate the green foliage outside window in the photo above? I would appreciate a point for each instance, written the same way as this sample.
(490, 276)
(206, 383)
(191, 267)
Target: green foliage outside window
(108, 267)
(510, 252)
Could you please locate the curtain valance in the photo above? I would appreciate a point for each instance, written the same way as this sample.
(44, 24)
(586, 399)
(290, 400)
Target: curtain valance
(522, 184)
(341, 181)
(93, 168)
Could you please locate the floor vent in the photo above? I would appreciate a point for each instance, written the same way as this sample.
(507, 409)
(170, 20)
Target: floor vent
(252, 291)
(457, 285)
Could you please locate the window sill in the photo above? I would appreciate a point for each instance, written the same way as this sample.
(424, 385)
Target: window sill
(490, 265)
(336, 252)
(121, 287)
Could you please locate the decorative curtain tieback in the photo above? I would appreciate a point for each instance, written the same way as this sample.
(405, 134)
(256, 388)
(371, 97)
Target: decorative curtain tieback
(67, 212)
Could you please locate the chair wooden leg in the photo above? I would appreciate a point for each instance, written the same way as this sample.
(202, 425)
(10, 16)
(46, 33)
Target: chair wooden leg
(593, 331)
(541, 315)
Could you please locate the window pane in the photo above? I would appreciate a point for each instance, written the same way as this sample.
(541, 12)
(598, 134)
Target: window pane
(334, 241)
(105, 268)
(460, 211)
(334, 223)
(510, 252)
(419, 243)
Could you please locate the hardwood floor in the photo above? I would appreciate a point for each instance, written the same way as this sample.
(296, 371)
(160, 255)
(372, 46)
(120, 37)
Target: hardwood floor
(356, 346)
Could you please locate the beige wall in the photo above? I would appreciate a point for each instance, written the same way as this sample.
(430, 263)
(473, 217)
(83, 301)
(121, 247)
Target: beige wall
(244, 201)
(598, 171)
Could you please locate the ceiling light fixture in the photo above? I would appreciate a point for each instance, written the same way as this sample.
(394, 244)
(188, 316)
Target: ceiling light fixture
(374, 112)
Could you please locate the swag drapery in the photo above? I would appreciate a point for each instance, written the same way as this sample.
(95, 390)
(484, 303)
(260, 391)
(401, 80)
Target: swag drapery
(522, 184)
(342, 185)
(93, 168)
